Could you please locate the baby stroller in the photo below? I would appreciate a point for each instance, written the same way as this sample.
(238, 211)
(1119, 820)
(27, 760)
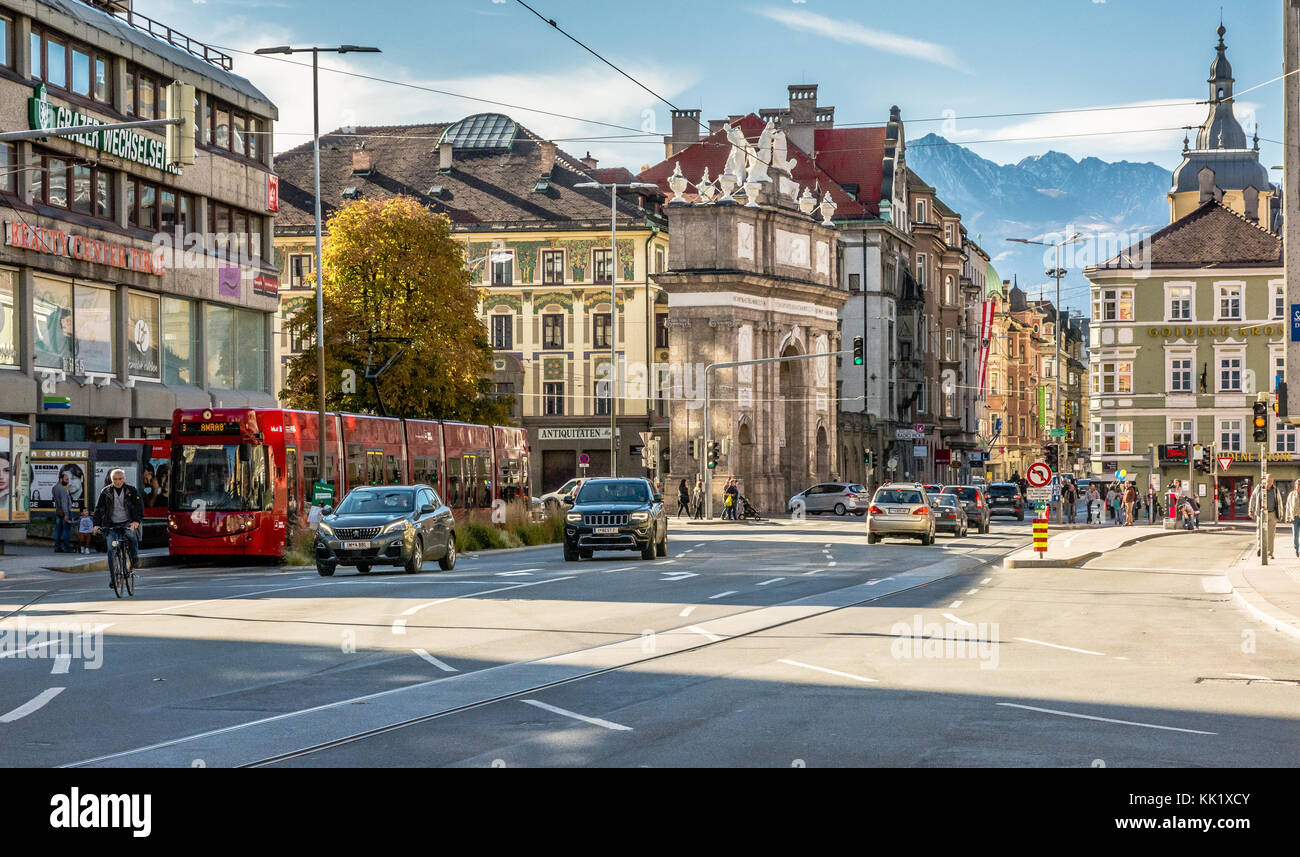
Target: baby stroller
(747, 511)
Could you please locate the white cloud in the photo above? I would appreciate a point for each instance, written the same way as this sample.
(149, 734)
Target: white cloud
(853, 33)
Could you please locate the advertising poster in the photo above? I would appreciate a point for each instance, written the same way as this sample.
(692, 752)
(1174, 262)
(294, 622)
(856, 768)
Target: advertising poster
(142, 328)
(6, 476)
(47, 465)
(19, 474)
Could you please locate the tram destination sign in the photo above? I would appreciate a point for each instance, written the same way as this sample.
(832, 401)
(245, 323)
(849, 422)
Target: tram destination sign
(231, 427)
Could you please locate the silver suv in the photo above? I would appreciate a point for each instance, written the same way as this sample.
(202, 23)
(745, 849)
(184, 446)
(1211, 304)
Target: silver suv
(901, 509)
(838, 497)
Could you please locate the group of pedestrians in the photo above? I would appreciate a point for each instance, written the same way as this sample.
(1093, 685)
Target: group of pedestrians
(691, 502)
(1267, 501)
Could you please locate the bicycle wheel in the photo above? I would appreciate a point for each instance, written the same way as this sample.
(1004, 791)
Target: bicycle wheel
(129, 577)
(115, 564)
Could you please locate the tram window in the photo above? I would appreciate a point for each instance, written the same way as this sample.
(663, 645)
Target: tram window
(310, 474)
(356, 465)
(330, 468)
(394, 472)
(453, 482)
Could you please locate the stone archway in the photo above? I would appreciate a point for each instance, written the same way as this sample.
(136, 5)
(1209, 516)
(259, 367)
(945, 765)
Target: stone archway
(823, 455)
(792, 399)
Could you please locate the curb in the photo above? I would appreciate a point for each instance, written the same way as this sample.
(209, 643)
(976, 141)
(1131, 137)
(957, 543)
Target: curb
(1257, 605)
(1080, 559)
(101, 565)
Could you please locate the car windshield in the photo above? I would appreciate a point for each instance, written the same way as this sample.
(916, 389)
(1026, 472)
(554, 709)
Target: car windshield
(899, 497)
(1004, 490)
(614, 492)
(376, 503)
(962, 492)
(944, 500)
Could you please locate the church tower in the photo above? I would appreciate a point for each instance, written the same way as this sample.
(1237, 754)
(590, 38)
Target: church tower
(1222, 166)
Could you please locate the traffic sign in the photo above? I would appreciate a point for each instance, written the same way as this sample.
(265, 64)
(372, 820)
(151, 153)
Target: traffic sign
(1056, 489)
(1039, 474)
(1058, 432)
(584, 460)
(1225, 461)
(322, 493)
(1039, 494)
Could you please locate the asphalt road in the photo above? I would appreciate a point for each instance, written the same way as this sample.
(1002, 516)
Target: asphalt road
(748, 646)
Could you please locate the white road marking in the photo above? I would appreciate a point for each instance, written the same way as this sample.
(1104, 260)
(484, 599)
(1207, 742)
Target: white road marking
(61, 664)
(952, 618)
(399, 627)
(972, 591)
(674, 576)
(773, 580)
(687, 611)
(445, 667)
(1118, 658)
(697, 629)
(595, 721)
(954, 605)
(701, 544)
(34, 646)
(612, 570)
(723, 594)
(514, 573)
(985, 581)
(1106, 719)
(814, 571)
(881, 580)
(1055, 646)
(410, 611)
(1251, 677)
(32, 705)
(831, 564)
(666, 562)
(825, 670)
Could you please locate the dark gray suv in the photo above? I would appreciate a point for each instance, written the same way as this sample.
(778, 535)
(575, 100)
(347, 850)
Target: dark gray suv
(975, 503)
(398, 525)
(615, 515)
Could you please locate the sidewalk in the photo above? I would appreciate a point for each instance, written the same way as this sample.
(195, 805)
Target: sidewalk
(1082, 543)
(19, 559)
(1272, 592)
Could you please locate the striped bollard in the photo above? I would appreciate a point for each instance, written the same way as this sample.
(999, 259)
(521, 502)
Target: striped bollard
(1040, 534)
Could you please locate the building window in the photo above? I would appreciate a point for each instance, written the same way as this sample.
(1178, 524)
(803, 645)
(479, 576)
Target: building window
(661, 263)
(601, 267)
(920, 270)
(993, 383)
(553, 398)
(1113, 377)
(6, 35)
(1284, 435)
(236, 348)
(1229, 303)
(232, 130)
(1180, 303)
(503, 269)
(301, 266)
(1181, 431)
(1279, 301)
(1279, 370)
(948, 405)
(553, 331)
(855, 282)
(8, 305)
(146, 96)
(1114, 438)
(233, 232)
(1113, 305)
(1180, 375)
(600, 323)
(142, 327)
(661, 330)
(600, 398)
(1230, 374)
(503, 332)
(950, 344)
(8, 168)
(1229, 435)
(553, 267)
(178, 341)
(920, 211)
(947, 234)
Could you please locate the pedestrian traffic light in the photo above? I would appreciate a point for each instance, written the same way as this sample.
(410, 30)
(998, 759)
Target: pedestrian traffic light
(715, 452)
(857, 351)
(690, 447)
(1261, 422)
(866, 458)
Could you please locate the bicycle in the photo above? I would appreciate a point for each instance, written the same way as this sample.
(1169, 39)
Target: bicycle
(122, 554)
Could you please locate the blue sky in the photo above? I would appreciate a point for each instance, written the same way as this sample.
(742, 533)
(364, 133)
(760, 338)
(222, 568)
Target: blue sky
(934, 59)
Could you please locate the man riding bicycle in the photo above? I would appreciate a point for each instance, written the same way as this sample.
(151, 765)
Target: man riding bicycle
(119, 510)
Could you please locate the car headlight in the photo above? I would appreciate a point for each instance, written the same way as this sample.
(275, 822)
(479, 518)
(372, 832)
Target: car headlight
(640, 516)
(396, 526)
(573, 517)
(325, 529)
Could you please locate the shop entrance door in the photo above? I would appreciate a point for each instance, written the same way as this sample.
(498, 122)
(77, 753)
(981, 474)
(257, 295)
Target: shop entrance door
(1234, 497)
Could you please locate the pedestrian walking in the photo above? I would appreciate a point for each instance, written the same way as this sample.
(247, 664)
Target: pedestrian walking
(1069, 503)
(730, 499)
(683, 499)
(1266, 502)
(697, 498)
(62, 516)
(1130, 498)
(1293, 514)
(1094, 505)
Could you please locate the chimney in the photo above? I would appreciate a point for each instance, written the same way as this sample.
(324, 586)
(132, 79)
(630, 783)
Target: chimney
(548, 156)
(444, 157)
(362, 161)
(589, 162)
(686, 130)
(1206, 180)
(803, 115)
(716, 125)
(1250, 196)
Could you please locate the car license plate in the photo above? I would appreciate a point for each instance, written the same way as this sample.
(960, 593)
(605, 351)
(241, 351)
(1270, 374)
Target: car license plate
(607, 531)
(356, 546)
(898, 511)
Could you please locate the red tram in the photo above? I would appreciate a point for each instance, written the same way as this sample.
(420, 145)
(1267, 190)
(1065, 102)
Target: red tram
(241, 479)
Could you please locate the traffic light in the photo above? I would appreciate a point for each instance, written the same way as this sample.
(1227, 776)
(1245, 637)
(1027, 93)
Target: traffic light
(715, 452)
(1279, 401)
(866, 458)
(857, 351)
(690, 447)
(1261, 422)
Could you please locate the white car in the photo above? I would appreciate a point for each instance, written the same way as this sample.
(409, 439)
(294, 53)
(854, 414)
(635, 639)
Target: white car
(555, 499)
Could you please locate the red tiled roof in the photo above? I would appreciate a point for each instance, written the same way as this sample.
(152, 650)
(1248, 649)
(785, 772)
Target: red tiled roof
(712, 151)
(854, 156)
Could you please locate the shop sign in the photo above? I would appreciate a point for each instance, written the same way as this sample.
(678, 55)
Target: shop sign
(272, 192)
(266, 285)
(56, 242)
(123, 142)
(1254, 456)
(1222, 330)
(601, 433)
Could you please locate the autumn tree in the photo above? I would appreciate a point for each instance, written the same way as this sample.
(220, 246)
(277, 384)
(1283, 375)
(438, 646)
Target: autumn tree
(394, 272)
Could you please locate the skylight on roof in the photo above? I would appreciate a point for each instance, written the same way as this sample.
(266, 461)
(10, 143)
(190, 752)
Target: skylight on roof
(482, 131)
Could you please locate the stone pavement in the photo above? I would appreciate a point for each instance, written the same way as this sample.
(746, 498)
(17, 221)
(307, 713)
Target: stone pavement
(1272, 592)
(1077, 545)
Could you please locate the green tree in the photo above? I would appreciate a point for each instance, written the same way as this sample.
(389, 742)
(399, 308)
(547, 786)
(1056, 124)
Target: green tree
(392, 269)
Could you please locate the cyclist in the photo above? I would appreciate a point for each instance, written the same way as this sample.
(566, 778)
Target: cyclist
(120, 511)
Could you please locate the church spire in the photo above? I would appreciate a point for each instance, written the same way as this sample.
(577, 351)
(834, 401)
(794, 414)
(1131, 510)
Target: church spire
(1221, 129)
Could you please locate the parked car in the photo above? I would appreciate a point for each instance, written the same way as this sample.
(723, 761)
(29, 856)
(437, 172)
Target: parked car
(615, 515)
(399, 525)
(900, 510)
(974, 503)
(838, 497)
(949, 515)
(1005, 499)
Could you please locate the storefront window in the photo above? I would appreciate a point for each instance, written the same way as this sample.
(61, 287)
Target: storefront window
(8, 322)
(142, 359)
(94, 326)
(52, 311)
(236, 348)
(178, 341)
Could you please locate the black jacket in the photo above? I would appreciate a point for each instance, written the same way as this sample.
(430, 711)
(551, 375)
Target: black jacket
(104, 506)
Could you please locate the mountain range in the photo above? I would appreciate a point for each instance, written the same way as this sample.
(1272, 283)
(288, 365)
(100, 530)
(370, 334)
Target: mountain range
(1043, 194)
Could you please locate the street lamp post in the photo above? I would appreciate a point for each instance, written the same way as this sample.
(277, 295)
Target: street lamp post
(613, 306)
(320, 272)
(1057, 273)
